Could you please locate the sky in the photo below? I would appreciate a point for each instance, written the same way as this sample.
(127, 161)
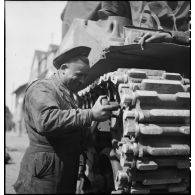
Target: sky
(28, 26)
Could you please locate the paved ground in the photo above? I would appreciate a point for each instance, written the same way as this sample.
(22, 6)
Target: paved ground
(17, 146)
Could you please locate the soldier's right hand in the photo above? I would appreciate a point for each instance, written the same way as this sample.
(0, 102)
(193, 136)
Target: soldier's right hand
(102, 112)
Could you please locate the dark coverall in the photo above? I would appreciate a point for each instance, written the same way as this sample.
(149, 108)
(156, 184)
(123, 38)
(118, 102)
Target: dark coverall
(55, 127)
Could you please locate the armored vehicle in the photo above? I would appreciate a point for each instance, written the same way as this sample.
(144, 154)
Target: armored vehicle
(145, 146)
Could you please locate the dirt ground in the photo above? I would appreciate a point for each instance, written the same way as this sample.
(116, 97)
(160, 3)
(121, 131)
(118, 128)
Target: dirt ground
(17, 146)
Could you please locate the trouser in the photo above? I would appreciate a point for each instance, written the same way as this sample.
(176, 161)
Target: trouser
(47, 173)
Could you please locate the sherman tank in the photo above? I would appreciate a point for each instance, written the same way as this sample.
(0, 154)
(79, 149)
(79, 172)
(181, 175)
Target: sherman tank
(145, 146)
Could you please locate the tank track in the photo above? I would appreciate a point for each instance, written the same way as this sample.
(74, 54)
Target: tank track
(150, 133)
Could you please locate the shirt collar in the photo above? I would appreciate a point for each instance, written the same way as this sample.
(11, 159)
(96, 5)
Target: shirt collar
(63, 88)
(59, 84)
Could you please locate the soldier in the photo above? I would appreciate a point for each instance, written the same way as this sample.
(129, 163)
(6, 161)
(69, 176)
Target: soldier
(171, 16)
(56, 127)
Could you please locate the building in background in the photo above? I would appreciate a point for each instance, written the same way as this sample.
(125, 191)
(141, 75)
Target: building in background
(42, 67)
(18, 117)
(51, 52)
(42, 64)
(9, 124)
(38, 65)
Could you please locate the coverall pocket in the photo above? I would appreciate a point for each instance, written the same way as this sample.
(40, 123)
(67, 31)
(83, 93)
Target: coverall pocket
(44, 164)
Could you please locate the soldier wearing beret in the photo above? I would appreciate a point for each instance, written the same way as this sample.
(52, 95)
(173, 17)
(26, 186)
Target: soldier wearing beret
(56, 127)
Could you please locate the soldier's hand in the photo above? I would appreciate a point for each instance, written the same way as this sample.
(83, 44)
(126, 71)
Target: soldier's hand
(102, 110)
(158, 37)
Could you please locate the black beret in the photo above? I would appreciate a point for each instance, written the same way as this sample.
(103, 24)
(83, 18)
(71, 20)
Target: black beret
(70, 53)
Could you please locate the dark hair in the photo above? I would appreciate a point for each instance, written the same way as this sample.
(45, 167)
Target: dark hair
(82, 58)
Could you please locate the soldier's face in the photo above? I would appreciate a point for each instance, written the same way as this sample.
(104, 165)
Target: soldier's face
(75, 74)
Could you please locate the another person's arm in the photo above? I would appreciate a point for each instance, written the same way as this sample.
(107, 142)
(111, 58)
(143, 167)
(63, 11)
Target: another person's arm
(178, 37)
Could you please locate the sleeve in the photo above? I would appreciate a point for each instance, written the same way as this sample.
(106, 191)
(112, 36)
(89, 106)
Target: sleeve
(114, 8)
(181, 37)
(49, 118)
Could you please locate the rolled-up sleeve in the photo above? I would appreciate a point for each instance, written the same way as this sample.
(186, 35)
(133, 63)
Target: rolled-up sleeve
(49, 118)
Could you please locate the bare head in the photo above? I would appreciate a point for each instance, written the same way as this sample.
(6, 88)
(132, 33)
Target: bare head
(73, 72)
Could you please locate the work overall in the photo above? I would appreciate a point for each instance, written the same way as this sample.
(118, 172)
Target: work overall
(55, 126)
